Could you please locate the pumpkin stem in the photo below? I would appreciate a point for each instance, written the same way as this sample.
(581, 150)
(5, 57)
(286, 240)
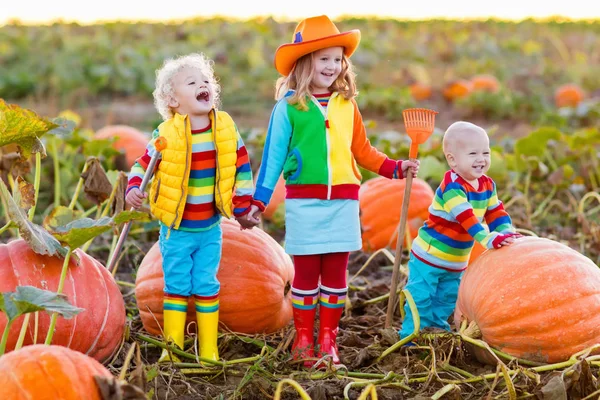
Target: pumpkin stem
(473, 331)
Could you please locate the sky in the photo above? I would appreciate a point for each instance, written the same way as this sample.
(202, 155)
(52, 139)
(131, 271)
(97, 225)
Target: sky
(43, 11)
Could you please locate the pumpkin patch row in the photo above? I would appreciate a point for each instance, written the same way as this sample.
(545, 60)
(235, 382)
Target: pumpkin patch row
(567, 95)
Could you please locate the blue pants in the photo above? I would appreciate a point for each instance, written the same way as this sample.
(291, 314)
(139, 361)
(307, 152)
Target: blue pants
(191, 261)
(434, 291)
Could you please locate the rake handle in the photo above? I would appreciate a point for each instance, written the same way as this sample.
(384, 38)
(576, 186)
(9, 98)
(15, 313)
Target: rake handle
(112, 263)
(399, 247)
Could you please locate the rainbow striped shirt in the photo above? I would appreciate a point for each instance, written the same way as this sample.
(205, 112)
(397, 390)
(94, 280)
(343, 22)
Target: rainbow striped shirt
(456, 218)
(200, 212)
(323, 99)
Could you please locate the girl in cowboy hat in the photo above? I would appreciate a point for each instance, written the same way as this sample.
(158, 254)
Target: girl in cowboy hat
(317, 138)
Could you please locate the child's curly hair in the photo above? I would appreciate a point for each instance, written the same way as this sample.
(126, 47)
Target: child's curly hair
(164, 80)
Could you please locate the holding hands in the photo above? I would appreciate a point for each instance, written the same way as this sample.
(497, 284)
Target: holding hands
(250, 219)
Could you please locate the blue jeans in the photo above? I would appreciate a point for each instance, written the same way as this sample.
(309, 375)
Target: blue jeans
(191, 261)
(434, 291)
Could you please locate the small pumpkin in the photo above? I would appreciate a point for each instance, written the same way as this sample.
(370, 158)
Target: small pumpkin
(485, 83)
(97, 331)
(568, 95)
(255, 275)
(420, 91)
(49, 372)
(380, 202)
(457, 89)
(536, 299)
(130, 141)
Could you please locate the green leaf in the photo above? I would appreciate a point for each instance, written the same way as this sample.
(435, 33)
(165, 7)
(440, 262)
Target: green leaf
(40, 241)
(431, 167)
(583, 139)
(63, 127)
(536, 142)
(60, 216)
(23, 127)
(499, 167)
(125, 216)
(8, 306)
(78, 232)
(28, 299)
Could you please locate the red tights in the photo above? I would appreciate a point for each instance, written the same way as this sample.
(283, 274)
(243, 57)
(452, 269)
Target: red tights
(331, 267)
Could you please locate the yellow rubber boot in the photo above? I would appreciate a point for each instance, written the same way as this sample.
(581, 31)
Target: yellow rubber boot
(207, 314)
(175, 311)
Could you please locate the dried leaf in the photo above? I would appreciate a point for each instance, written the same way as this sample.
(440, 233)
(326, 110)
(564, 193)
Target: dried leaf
(582, 381)
(554, 389)
(27, 194)
(40, 241)
(22, 126)
(96, 185)
(119, 201)
(111, 389)
(138, 376)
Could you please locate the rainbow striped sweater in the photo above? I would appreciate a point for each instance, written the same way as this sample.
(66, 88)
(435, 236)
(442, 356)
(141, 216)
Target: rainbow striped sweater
(455, 221)
(200, 212)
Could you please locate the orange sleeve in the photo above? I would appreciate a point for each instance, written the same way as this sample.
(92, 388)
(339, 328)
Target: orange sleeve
(365, 154)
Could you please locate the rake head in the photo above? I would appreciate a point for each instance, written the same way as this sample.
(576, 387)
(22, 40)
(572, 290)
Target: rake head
(419, 123)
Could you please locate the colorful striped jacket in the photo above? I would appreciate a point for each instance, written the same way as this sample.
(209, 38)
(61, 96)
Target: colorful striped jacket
(318, 151)
(455, 220)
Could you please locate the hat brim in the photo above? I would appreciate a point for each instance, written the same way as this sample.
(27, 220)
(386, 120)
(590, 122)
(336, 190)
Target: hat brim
(287, 54)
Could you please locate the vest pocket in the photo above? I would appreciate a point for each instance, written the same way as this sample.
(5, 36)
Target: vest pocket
(156, 191)
(292, 166)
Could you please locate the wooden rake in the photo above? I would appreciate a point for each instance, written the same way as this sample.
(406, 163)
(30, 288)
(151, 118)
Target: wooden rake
(159, 144)
(419, 123)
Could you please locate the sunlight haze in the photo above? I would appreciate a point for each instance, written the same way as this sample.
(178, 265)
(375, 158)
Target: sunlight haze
(109, 10)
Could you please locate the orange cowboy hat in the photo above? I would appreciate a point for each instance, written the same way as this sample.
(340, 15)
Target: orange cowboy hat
(312, 34)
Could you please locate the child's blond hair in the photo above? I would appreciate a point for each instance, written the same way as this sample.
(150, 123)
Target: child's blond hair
(164, 80)
(300, 78)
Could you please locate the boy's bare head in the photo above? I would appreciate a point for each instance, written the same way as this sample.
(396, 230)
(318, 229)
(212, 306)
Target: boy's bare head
(467, 149)
(460, 133)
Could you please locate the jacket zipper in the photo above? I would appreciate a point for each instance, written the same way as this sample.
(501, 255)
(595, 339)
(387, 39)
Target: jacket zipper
(218, 170)
(327, 141)
(185, 173)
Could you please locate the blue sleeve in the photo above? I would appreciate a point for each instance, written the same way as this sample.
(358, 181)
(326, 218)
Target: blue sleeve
(275, 152)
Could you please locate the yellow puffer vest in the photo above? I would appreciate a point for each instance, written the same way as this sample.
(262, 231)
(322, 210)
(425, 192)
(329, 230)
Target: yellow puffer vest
(169, 189)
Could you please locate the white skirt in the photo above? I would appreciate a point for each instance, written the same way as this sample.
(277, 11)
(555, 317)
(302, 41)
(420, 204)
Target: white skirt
(314, 226)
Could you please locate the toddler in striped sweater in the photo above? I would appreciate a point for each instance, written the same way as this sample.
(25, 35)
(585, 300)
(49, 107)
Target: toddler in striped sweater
(202, 175)
(464, 200)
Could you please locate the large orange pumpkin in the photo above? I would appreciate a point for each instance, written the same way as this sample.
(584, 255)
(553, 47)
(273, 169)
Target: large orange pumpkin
(130, 140)
(49, 372)
(97, 331)
(569, 95)
(485, 83)
(255, 275)
(477, 250)
(536, 299)
(380, 205)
